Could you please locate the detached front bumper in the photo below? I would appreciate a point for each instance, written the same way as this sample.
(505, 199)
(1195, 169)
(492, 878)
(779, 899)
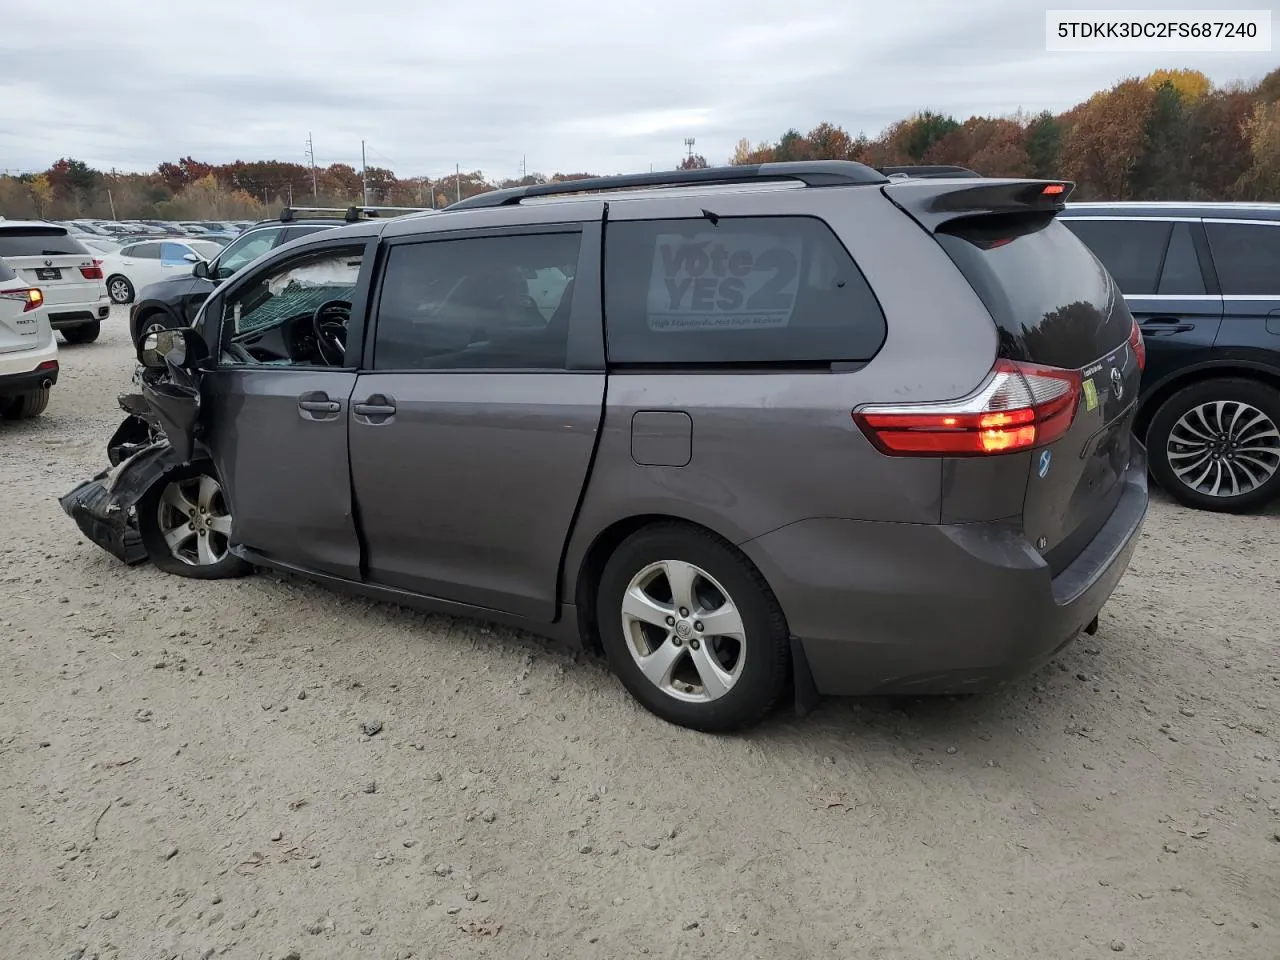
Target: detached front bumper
(103, 507)
(896, 608)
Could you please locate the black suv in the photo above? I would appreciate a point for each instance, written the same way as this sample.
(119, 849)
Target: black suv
(175, 302)
(1203, 280)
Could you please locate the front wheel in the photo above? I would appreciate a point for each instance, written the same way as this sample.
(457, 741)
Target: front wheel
(1215, 445)
(119, 289)
(692, 630)
(185, 524)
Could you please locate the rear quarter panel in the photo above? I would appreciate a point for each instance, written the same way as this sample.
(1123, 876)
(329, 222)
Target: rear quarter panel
(773, 448)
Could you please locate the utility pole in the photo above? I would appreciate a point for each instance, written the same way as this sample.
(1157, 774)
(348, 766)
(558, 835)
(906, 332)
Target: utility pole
(688, 142)
(457, 178)
(364, 175)
(111, 201)
(291, 193)
(311, 158)
(524, 170)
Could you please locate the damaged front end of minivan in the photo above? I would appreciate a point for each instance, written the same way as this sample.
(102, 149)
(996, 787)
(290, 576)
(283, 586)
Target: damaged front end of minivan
(156, 437)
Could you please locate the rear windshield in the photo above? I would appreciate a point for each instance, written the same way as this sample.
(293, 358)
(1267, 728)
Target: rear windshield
(38, 242)
(1053, 301)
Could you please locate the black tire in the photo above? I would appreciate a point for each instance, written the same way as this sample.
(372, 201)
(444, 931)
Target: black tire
(119, 289)
(25, 405)
(85, 333)
(1232, 391)
(764, 671)
(157, 320)
(149, 513)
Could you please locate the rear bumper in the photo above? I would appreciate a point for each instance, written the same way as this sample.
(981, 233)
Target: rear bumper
(64, 315)
(883, 608)
(19, 373)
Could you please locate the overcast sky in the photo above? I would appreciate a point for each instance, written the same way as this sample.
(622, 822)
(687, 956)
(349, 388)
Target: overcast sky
(597, 86)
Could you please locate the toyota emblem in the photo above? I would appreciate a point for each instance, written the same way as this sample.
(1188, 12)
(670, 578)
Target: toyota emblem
(1117, 382)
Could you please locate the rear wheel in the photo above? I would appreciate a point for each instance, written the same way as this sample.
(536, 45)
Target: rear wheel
(119, 289)
(85, 333)
(1215, 445)
(25, 405)
(185, 523)
(692, 630)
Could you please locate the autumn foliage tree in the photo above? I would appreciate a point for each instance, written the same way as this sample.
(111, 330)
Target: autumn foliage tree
(1169, 135)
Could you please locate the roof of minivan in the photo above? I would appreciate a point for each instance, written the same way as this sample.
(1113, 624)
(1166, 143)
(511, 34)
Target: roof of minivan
(1140, 209)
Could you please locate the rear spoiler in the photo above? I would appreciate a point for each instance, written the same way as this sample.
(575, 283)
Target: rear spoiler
(933, 203)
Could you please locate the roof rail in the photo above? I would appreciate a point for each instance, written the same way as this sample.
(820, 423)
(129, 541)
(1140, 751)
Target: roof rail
(350, 214)
(927, 170)
(812, 173)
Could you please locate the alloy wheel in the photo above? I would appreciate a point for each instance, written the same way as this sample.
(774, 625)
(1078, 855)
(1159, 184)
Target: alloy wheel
(684, 631)
(1224, 448)
(194, 521)
(119, 291)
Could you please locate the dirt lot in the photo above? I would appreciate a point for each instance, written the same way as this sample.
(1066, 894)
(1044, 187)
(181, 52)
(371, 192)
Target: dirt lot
(183, 772)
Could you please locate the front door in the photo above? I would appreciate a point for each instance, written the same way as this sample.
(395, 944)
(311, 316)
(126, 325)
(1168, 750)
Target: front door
(276, 407)
(473, 432)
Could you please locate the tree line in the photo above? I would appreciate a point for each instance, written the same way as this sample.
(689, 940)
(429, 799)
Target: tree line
(1171, 135)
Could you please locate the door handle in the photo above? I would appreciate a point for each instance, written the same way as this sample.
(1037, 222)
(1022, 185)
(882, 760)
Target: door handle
(378, 408)
(1159, 326)
(318, 405)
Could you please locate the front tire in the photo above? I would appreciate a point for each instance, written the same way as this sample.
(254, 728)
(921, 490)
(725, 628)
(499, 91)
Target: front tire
(185, 524)
(1215, 445)
(692, 629)
(119, 289)
(85, 333)
(25, 405)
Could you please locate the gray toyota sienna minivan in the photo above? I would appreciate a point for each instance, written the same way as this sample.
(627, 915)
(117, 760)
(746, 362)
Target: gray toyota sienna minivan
(790, 426)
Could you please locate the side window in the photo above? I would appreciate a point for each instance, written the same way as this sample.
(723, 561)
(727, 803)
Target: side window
(742, 290)
(173, 252)
(246, 248)
(466, 305)
(143, 251)
(275, 319)
(1247, 256)
(1181, 273)
(1131, 250)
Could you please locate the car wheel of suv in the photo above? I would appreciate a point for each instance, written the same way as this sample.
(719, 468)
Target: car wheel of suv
(25, 405)
(85, 333)
(119, 289)
(1215, 445)
(692, 629)
(185, 525)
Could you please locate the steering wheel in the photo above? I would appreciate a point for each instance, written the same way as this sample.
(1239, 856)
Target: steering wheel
(330, 325)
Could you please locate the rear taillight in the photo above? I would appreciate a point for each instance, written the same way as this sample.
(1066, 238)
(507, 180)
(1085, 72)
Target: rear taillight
(94, 272)
(1020, 406)
(49, 366)
(1138, 346)
(31, 297)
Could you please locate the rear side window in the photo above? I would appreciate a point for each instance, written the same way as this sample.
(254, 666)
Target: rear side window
(1181, 275)
(1132, 250)
(740, 290)
(38, 242)
(1247, 256)
(1052, 300)
(142, 251)
(6, 272)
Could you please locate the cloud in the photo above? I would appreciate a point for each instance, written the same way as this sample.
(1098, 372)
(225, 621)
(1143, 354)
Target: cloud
(569, 85)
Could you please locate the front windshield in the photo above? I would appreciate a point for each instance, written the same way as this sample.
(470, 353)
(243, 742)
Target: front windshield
(206, 248)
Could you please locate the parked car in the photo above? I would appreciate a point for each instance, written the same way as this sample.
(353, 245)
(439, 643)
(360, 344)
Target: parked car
(151, 261)
(855, 435)
(45, 255)
(97, 246)
(175, 301)
(28, 349)
(1203, 279)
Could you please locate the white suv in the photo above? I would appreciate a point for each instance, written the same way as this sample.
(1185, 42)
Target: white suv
(28, 350)
(46, 256)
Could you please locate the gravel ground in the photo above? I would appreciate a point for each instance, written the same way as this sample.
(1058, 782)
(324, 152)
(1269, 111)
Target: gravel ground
(184, 771)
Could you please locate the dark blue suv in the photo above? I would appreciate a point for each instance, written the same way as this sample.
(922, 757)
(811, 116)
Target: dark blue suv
(1203, 280)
